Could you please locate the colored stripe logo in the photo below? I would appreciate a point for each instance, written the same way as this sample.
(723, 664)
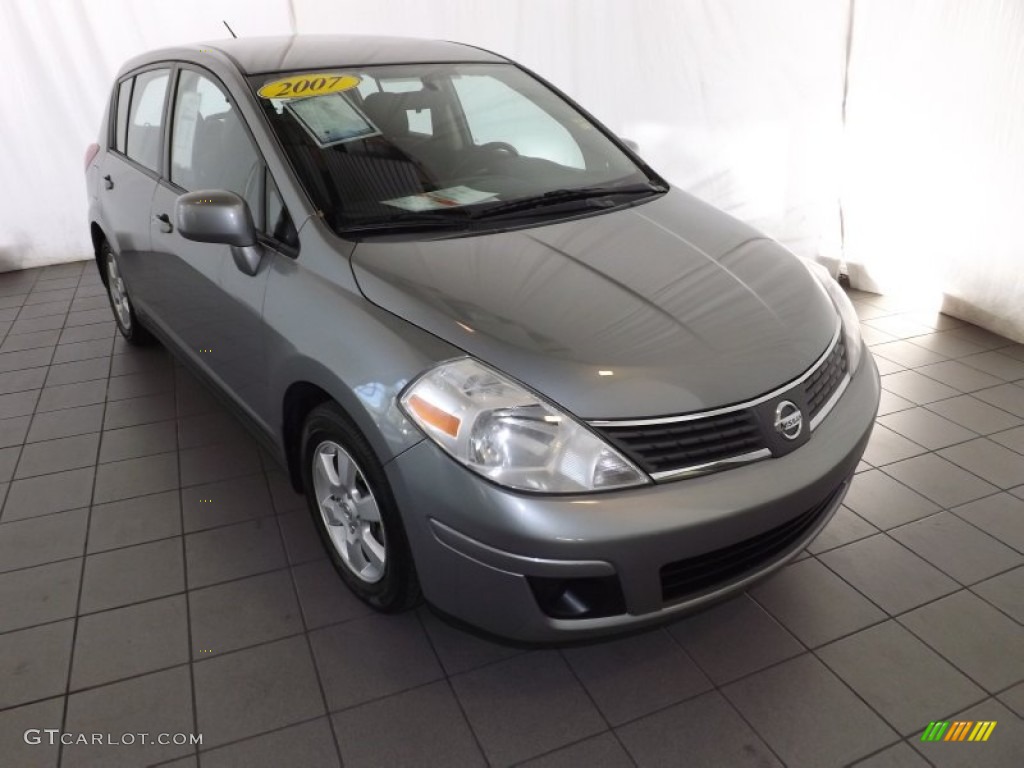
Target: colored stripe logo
(959, 730)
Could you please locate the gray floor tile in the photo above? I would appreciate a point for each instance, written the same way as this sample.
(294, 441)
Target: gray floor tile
(139, 410)
(61, 454)
(218, 462)
(960, 550)
(885, 503)
(13, 431)
(248, 692)
(543, 707)
(18, 403)
(54, 398)
(705, 733)
(88, 316)
(82, 370)
(1001, 515)
(422, 727)
(885, 367)
(601, 751)
(243, 613)
(916, 387)
(795, 706)
(907, 354)
(132, 574)
(31, 358)
(996, 364)
(19, 725)
(37, 324)
(1012, 439)
(66, 423)
(1002, 750)
(323, 596)
(886, 446)
(151, 360)
(136, 477)
(159, 702)
(972, 413)
(82, 303)
(815, 604)
(845, 527)
(34, 663)
(22, 381)
(989, 461)
(138, 441)
(139, 385)
(302, 543)
(233, 551)
(43, 539)
(23, 341)
(1014, 699)
(898, 326)
(979, 336)
(1009, 397)
(227, 501)
(50, 493)
(1005, 592)
(95, 332)
(209, 429)
(897, 756)
(734, 639)
(130, 641)
(8, 461)
(134, 521)
(309, 745)
(282, 494)
(372, 657)
(889, 574)
(926, 428)
(83, 350)
(940, 480)
(36, 595)
(890, 403)
(634, 676)
(899, 676)
(458, 650)
(978, 639)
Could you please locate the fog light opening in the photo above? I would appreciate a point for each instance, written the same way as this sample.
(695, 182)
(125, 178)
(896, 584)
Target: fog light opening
(583, 598)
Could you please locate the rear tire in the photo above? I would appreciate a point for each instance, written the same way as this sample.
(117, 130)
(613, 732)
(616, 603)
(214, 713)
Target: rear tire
(355, 512)
(128, 323)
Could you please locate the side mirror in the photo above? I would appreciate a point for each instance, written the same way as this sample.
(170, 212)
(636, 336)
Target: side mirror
(631, 144)
(219, 216)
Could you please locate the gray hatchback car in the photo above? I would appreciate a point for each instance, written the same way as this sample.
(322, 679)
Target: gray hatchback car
(511, 367)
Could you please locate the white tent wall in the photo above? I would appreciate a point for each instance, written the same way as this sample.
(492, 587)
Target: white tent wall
(737, 101)
(933, 192)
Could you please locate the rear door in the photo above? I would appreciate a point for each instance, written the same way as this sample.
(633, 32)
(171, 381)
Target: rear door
(130, 169)
(210, 308)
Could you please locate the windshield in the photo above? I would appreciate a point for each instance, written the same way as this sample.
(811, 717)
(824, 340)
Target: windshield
(439, 143)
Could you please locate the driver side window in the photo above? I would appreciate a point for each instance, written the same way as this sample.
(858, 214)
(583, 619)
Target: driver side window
(497, 113)
(210, 147)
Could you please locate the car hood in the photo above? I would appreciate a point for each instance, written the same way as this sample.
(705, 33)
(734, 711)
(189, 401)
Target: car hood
(662, 308)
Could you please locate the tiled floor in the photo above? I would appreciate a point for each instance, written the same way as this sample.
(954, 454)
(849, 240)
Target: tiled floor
(157, 575)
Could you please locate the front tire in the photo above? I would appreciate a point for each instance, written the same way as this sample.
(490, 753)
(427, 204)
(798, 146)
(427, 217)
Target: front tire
(128, 323)
(355, 512)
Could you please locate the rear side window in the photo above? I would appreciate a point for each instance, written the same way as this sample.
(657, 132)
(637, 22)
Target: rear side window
(210, 147)
(124, 97)
(146, 118)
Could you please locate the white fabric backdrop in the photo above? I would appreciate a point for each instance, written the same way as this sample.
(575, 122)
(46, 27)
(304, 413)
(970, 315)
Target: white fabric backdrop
(737, 101)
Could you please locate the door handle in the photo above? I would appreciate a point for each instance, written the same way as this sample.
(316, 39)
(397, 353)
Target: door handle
(108, 182)
(165, 222)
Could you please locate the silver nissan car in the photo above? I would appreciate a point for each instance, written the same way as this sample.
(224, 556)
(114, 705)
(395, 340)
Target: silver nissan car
(512, 369)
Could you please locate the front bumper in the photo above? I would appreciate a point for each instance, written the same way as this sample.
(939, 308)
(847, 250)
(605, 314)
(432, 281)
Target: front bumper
(476, 545)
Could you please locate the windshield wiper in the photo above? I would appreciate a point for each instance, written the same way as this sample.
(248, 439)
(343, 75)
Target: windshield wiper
(411, 220)
(556, 196)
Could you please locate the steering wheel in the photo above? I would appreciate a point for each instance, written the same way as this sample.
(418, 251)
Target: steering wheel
(501, 146)
(472, 160)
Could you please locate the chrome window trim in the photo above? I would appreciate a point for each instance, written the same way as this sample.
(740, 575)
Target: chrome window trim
(729, 408)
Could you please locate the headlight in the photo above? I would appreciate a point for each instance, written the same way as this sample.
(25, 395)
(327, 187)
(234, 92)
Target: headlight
(500, 430)
(843, 305)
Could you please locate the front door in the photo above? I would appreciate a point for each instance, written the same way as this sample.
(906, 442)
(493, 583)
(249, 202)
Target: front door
(210, 308)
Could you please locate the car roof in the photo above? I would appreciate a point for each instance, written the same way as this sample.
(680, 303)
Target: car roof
(257, 55)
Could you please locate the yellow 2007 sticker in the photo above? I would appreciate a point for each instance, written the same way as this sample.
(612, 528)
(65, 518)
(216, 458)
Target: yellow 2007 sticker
(301, 86)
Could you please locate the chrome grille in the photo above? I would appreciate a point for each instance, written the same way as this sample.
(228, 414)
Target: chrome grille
(826, 379)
